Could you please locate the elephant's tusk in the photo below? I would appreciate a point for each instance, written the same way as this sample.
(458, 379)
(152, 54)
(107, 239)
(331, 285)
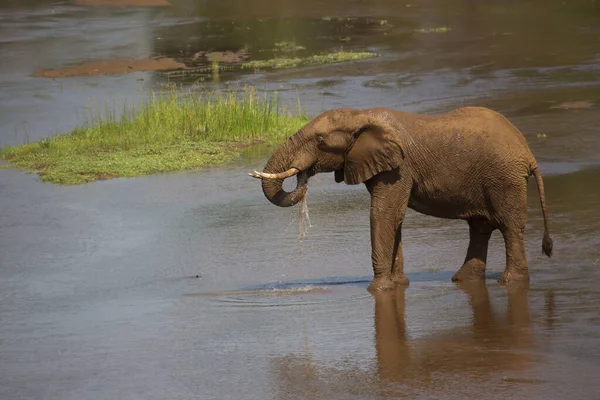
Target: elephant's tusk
(281, 175)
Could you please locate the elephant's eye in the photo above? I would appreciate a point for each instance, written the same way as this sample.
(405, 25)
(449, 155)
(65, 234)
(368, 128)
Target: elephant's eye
(320, 139)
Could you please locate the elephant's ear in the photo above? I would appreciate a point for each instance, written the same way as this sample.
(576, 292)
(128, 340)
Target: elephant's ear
(375, 148)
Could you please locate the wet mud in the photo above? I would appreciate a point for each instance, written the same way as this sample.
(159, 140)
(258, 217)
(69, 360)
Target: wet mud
(110, 67)
(125, 66)
(193, 286)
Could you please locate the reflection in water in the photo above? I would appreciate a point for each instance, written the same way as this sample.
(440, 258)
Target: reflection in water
(495, 348)
(550, 305)
(488, 347)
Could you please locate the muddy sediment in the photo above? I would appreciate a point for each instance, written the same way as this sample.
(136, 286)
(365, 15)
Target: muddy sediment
(574, 105)
(223, 56)
(110, 67)
(124, 3)
(124, 66)
(196, 64)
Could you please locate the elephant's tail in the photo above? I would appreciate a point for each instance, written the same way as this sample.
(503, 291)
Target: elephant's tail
(546, 241)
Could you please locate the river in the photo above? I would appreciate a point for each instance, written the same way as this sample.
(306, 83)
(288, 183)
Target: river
(192, 286)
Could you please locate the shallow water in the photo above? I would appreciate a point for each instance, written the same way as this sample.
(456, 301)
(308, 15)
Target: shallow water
(192, 285)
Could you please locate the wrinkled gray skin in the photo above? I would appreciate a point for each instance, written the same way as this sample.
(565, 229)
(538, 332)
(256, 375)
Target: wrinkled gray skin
(470, 163)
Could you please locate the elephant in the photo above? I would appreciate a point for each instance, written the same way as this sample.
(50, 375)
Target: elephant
(469, 163)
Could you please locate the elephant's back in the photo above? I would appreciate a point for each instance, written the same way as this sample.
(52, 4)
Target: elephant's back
(480, 122)
(478, 130)
(460, 157)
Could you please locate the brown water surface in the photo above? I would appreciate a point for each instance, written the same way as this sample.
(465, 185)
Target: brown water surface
(193, 286)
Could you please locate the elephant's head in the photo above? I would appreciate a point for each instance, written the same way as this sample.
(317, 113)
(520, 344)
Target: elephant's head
(354, 144)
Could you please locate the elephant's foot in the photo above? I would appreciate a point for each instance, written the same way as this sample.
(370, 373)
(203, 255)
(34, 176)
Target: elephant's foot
(381, 283)
(472, 270)
(513, 275)
(400, 279)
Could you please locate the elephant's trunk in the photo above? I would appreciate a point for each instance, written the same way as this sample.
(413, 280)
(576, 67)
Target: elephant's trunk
(285, 159)
(273, 190)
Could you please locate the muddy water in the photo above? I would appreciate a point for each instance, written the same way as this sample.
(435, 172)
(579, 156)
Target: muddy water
(192, 285)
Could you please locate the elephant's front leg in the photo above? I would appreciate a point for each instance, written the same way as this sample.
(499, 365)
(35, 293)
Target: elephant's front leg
(398, 264)
(389, 200)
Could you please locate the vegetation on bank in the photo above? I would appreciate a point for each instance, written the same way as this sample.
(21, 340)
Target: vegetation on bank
(441, 29)
(331, 58)
(273, 63)
(170, 132)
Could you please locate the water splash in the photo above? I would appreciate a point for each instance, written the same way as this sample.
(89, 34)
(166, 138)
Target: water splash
(304, 218)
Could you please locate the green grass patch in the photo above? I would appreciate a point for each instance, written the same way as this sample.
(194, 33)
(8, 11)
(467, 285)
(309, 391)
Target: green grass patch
(170, 131)
(280, 63)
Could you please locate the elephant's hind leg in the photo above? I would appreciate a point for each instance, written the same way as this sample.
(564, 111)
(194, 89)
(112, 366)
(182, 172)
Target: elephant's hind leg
(512, 225)
(516, 261)
(473, 268)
